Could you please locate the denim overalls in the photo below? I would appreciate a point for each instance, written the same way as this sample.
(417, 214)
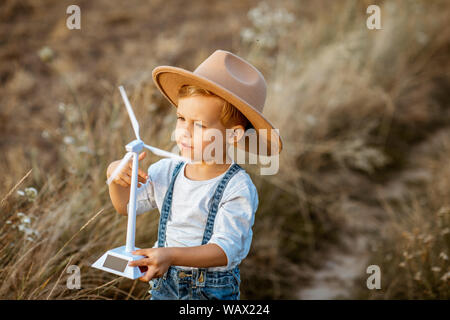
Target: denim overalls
(198, 283)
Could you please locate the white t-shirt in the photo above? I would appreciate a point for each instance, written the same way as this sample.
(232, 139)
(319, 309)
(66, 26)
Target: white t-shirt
(190, 206)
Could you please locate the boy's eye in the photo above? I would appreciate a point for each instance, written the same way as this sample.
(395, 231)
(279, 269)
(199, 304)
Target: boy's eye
(197, 123)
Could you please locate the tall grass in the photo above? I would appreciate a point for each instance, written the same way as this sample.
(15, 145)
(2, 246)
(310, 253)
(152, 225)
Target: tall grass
(72, 215)
(349, 102)
(413, 251)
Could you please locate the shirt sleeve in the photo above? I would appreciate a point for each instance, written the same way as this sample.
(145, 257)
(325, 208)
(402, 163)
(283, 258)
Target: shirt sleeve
(145, 198)
(233, 224)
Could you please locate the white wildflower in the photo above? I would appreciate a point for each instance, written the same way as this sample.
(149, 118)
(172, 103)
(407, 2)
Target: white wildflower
(85, 149)
(247, 35)
(152, 107)
(26, 220)
(443, 211)
(72, 169)
(443, 256)
(428, 238)
(417, 276)
(31, 193)
(311, 120)
(435, 269)
(72, 114)
(268, 24)
(28, 231)
(62, 107)
(68, 140)
(422, 37)
(45, 134)
(277, 86)
(407, 255)
(46, 54)
(446, 276)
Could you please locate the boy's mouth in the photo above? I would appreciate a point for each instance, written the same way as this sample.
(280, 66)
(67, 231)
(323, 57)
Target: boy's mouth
(186, 146)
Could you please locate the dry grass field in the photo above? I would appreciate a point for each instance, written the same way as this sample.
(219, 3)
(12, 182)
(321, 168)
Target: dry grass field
(364, 176)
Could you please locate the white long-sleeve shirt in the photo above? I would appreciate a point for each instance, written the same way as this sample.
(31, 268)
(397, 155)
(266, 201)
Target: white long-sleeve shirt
(190, 206)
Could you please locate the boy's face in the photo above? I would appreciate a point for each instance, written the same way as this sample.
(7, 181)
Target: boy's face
(199, 125)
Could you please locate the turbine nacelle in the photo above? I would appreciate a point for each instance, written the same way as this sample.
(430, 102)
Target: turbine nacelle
(135, 146)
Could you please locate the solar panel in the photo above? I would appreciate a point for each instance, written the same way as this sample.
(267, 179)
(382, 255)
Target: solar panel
(115, 263)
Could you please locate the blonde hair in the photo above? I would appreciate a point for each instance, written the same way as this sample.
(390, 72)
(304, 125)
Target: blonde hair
(229, 116)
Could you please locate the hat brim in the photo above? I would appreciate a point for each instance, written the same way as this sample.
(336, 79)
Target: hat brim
(170, 79)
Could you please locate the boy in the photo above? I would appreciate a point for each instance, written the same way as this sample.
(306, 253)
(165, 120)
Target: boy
(207, 207)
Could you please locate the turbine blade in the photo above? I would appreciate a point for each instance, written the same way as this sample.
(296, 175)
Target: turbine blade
(134, 122)
(122, 164)
(166, 154)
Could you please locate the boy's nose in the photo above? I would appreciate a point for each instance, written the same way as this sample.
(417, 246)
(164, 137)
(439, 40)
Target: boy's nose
(184, 130)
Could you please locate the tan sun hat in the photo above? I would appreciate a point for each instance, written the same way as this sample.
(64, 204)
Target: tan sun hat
(234, 80)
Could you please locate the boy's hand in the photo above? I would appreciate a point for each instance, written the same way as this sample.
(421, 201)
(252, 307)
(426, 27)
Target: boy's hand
(124, 177)
(157, 261)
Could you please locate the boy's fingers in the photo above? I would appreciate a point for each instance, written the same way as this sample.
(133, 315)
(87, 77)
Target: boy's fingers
(142, 155)
(129, 171)
(126, 178)
(140, 252)
(140, 262)
(143, 174)
(150, 274)
(120, 181)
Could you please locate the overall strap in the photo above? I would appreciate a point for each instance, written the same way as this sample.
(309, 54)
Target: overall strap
(214, 206)
(167, 204)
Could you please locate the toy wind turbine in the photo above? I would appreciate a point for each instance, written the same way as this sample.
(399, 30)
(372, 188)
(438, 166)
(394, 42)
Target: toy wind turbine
(116, 260)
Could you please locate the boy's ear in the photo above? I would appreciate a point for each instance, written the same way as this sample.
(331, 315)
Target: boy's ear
(236, 133)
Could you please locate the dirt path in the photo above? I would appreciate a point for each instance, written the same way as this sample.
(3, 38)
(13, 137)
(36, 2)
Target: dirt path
(343, 266)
